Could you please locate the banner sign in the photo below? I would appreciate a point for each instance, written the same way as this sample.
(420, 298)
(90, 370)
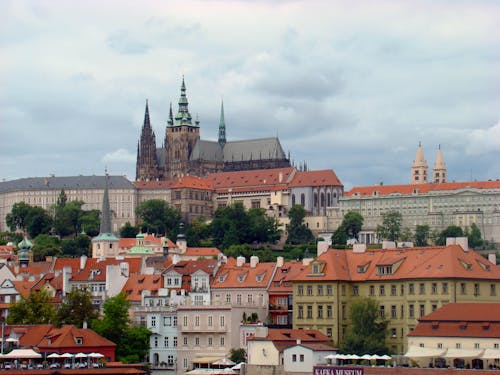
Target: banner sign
(332, 370)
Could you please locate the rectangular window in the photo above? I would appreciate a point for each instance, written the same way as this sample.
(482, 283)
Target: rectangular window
(411, 289)
(222, 341)
(175, 341)
(320, 290)
(153, 321)
(463, 288)
(250, 299)
(185, 321)
(174, 321)
(300, 313)
(165, 342)
(300, 290)
(343, 287)
(434, 288)
(393, 332)
(493, 291)
(197, 341)
(393, 312)
(238, 299)
(320, 311)
(309, 312)
(329, 290)
(421, 288)
(185, 340)
(222, 321)
(355, 290)
(477, 290)
(411, 311)
(329, 332)
(228, 299)
(302, 358)
(197, 320)
(422, 310)
(382, 290)
(402, 290)
(343, 310)
(393, 290)
(445, 288)
(210, 321)
(329, 311)
(294, 357)
(372, 290)
(309, 290)
(382, 311)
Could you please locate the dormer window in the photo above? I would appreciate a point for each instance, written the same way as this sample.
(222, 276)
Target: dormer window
(363, 267)
(384, 270)
(79, 340)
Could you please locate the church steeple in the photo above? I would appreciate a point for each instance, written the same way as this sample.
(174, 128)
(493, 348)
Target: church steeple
(105, 226)
(222, 127)
(147, 164)
(439, 168)
(170, 121)
(419, 169)
(183, 117)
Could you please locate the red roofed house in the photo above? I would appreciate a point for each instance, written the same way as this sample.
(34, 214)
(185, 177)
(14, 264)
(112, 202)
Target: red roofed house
(47, 339)
(458, 335)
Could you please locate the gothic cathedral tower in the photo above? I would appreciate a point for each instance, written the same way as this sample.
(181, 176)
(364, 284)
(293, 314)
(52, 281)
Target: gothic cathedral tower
(147, 163)
(180, 138)
(419, 169)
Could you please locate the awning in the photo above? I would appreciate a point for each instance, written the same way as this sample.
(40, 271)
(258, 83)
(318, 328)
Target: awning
(463, 353)
(419, 352)
(22, 354)
(491, 354)
(206, 359)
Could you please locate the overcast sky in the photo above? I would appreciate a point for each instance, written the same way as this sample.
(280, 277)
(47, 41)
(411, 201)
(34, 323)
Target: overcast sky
(347, 85)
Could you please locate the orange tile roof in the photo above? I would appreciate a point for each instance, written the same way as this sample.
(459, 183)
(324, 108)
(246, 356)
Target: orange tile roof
(24, 286)
(409, 189)
(282, 281)
(193, 183)
(153, 185)
(326, 177)
(409, 263)
(35, 268)
(284, 334)
(202, 252)
(94, 264)
(230, 275)
(461, 320)
(66, 337)
(138, 282)
(149, 239)
(253, 178)
(188, 267)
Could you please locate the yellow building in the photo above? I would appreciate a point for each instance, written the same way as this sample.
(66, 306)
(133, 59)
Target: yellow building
(408, 283)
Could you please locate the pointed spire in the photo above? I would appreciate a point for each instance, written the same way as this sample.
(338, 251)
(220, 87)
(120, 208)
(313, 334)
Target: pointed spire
(105, 226)
(439, 167)
(183, 117)
(170, 121)
(222, 127)
(147, 122)
(419, 169)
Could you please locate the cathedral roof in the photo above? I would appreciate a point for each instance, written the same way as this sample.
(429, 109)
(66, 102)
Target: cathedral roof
(254, 149)
(207, 150)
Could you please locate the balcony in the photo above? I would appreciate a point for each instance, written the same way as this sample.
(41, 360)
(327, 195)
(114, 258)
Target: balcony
(277, 308)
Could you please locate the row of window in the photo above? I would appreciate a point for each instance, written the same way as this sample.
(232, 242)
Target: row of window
(167, 341)
(197, 320)
(458, 345)
(168, 321)
(210, 341)
(322, 312)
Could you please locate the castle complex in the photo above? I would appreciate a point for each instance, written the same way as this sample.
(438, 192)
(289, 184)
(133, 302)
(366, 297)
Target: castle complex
(185, 153)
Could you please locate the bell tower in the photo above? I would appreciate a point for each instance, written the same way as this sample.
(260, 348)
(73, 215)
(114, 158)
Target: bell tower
(419, 169)
(439, 171)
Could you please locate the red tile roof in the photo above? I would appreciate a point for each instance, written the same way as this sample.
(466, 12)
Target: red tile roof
(282, 281)
(193, 183)
(188, 267)
(153, 185)
(283, 334)
(230, 275)
(97, 268)
(137, 283)
(420, 188)
(255, 178)
(202, 252)
(409, 263)
(326, 177)
(461, 320)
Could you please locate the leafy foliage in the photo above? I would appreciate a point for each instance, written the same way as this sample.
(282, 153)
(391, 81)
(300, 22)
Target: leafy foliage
(157, 216)
(45, 245)
(474, 236)
(16, 219)
(132, 342)
(128, 231)
(237, 355)
(422, 235)
(76, 247)
(197, 231)
(349, 228)
(451, 231)
(34, 220)
(37, 308)
(298, 232)
(390, 229)
(76, 308)
(367, 331)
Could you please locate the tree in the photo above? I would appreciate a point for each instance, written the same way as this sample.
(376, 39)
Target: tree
(474, 237)
(349, 228)
(68, 217)
(262, 227)
(237, 355)
(76, 247)
(38, 222)
(390, 229)
(298, 232)
(76, 309)
(44, 246)
(406, 235)
(368, 329)
(90, 221)
(422, 235)
(230, 226)
(128, 231)
(37, 308)
(16, 219)
(451, 231)
(197, 231)
(157, 216)
(131, 342)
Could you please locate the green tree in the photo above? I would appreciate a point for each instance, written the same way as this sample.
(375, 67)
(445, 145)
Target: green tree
(197, 231)
(76, 247)
(367, 331)
(44, 246)
(406, 235)
(129, 231)
(422, 235)
(349, 228)
(38, 222)
(390, 229)
(37, 308)
(16, 219)
(235, 251)
(157, 216)
(451, 231)
(474, 237)
(230, 226)
(237, 355)
(131, 342)
(68, 218)
(298, 232)
(90, 222)
(76, 308)
(263, 229)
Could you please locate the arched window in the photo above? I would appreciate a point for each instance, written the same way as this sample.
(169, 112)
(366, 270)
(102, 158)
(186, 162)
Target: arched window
(328, 199)
(302, 199)
(322, 199)
(293, 200)
(315, 204)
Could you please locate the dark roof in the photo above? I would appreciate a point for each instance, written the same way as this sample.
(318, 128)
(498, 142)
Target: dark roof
(67, 182)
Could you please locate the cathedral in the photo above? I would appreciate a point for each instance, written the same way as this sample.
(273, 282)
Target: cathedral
(184, 153)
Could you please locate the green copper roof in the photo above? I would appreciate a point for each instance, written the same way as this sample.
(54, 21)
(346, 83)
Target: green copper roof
(25, 245)
(105, 237)
(140, 250)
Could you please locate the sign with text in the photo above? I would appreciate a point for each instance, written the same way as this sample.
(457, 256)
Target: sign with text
(332, 370)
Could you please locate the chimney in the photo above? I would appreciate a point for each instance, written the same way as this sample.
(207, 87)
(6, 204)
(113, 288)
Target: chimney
(84, 324)
(83, 261)
(299, 341)
(359, 248)
(280, 177)
(240, 261)
(66, 288)
(322, 247)
(254, 260)
(492, 257)
(464, 242)
(451, 241)
(279, 262)
(306, 261)
(124, 268)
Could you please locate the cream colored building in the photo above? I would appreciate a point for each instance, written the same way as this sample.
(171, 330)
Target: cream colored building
(44, 191)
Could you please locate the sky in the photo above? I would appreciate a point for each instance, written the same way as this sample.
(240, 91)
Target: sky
(352, 86)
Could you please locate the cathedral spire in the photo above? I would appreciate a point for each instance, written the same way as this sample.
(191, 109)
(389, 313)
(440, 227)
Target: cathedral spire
(147, 122)
(439, 167)
(105, 226)
(222, 127)
(419, 169)
(183, 117)
(170, 121)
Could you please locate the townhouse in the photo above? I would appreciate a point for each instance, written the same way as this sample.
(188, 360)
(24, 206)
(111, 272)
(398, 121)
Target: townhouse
(408, 283)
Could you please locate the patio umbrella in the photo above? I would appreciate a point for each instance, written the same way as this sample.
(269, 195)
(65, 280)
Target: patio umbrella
(238, 366)
(385, 357)
(95, 355)
(66, 355)
(81, 355)
(224, 362)
(54, 355)
(367, 357)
